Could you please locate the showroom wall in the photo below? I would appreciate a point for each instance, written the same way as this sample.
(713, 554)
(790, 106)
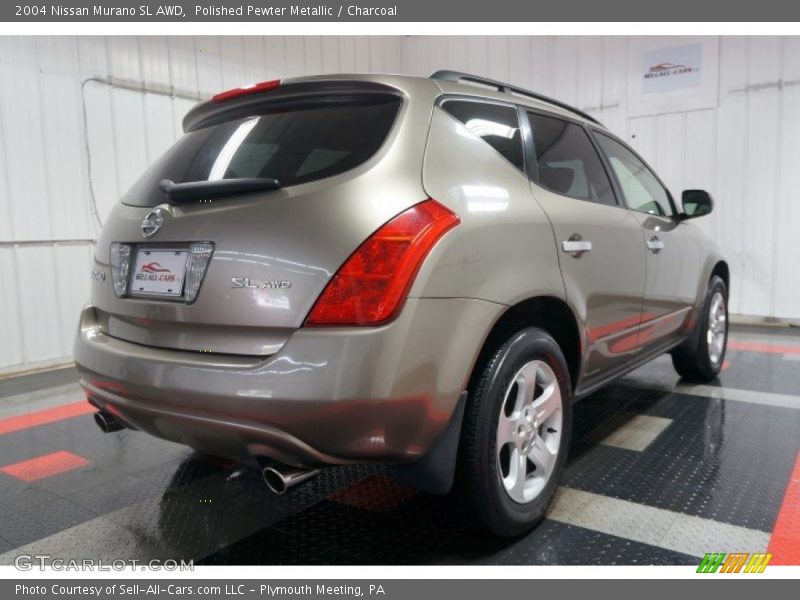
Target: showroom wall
(81, 117)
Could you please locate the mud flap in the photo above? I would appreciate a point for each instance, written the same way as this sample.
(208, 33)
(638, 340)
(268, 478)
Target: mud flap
(435, 472)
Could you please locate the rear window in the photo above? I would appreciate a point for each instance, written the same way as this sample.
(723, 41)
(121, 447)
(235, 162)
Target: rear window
(295, 145)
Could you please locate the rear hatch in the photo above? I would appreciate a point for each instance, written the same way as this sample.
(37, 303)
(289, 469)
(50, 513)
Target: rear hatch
(279, 187)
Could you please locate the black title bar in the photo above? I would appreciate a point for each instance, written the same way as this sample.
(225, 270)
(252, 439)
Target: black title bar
(401, 11)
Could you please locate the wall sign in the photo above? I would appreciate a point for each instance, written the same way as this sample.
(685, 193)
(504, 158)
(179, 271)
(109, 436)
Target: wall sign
(672, 75)
(672, 68)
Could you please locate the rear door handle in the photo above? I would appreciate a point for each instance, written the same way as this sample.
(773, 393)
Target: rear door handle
(655, 245)
(576, 246)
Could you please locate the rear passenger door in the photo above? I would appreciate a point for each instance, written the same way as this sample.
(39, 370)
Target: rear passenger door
(600, 244)
(672, 251)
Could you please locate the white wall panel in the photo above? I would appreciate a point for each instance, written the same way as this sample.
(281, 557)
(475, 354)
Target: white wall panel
(615, 57)
(477, 55)
(232, 61)
(6, 206)
(183, 63)
(39, 302)
(331, 54)
(699, 159)
(456, 51)
(255, 59)
(62, 135)
(743, 150)
(100, 134)
(567, 64)
(209, 64)
(361, 54)
(130, 145)
(11, 331)
(519, 61)
(154, 60)
(542, 64)
(589, 65)
(159, 121)
(71, 262)
(22, 127)
(732, 156)
(787, 283)
(124, 60)
(499, 58)
(276, 57)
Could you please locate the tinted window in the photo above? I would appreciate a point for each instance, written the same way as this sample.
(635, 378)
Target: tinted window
(293, 146)
(641, 189)
(567, 162)
(496, 125)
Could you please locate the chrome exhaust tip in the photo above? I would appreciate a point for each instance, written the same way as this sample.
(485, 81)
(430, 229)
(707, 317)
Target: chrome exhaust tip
(106, 422)
(280, 478)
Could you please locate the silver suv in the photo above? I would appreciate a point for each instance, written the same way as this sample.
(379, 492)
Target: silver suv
(423, 273)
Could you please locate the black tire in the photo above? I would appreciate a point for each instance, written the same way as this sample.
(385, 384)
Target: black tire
(479, 486)
(692, 359)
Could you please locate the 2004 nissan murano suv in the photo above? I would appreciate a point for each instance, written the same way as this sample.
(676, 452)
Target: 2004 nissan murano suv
(423, 273)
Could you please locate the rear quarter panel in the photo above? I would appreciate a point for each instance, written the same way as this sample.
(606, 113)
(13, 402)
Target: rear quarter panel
(504, 250)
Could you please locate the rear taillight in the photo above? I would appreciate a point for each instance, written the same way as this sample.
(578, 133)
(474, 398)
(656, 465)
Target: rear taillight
(120, 267)
(246, 90)
(199, 257)
(370, 287)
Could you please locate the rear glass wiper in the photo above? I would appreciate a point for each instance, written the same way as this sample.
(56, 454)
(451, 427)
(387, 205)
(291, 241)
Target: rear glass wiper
(179, 193)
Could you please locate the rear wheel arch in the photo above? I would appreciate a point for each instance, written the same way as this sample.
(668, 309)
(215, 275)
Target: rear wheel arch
(548, 313)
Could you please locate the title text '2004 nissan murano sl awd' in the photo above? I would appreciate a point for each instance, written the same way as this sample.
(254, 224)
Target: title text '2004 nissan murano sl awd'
(422, 273)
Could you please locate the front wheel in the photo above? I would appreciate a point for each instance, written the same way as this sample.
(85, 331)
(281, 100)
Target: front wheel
(699, 359)
(516, 433)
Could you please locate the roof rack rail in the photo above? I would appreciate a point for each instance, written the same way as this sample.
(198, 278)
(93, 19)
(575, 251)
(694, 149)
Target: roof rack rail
(506, 88)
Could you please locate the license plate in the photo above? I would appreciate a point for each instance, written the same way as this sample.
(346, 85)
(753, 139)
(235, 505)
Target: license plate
(159, 272)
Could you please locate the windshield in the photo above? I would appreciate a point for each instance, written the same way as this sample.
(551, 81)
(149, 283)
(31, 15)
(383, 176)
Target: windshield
(295, 145)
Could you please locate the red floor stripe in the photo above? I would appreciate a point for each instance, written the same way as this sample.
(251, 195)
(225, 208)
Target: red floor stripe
(760, 347)
(784, 545)
(43, 417)
(45, 466)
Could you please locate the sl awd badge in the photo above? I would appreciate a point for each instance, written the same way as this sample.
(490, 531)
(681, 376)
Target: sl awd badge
(246, 282)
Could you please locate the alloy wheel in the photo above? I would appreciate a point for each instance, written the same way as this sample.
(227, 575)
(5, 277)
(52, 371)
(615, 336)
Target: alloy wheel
(717, 328)
(529, 431)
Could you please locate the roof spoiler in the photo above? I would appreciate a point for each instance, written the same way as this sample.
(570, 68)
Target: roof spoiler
(287, 94)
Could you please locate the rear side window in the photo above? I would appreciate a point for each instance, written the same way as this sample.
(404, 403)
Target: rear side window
(496, 125)
(295, 145)
(567, 162)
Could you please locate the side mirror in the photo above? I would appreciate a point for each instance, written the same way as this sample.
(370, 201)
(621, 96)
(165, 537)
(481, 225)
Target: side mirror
(696, 203)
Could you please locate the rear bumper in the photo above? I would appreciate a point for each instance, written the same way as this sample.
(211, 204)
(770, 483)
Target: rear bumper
(330, 396)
